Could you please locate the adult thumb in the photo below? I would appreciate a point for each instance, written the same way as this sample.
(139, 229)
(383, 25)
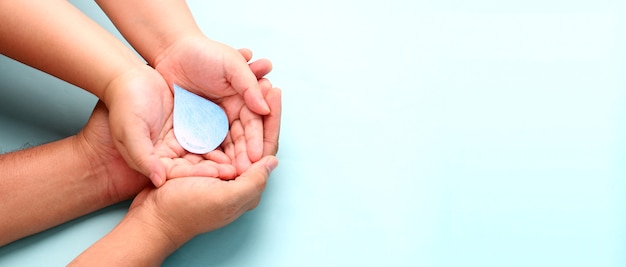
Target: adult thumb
(252, 182)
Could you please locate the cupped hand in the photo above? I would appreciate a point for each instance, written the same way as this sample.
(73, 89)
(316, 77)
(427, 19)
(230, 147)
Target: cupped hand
(238, 140)
(223, 75)
(140, 121)
(121, 181)
(185, 207)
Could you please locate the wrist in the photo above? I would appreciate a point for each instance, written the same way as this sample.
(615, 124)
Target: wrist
(159, 225)
(117, 86)
(137, 240)
(95, 169)
(112, 180)
(156, 27)
(172, 42)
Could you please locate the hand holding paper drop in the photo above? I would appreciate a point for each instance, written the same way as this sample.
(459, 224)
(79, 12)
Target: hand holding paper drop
(200, 125)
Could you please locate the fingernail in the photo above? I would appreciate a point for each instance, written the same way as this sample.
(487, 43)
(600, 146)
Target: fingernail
(266, 108)
(271, 164)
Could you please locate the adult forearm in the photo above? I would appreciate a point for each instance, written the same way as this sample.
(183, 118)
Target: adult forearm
(47, 185)
(160, 220)
(151, 26)
(55, 37)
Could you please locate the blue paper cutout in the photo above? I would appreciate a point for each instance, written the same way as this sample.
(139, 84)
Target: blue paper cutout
(200, 125)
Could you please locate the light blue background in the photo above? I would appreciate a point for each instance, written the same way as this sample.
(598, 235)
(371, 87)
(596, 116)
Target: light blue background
(415, 133)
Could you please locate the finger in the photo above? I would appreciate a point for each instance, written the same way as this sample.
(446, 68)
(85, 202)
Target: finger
(136, 148)
(244, 81)
(228, 146)
(241, 160)
(249, 186)
(178, 169)
(253, 128)
(226, 169)
(232, 106)
(271, 122)
(246, 53)
(181, 168)
(217, 156)
(265, 85)
(261, 67)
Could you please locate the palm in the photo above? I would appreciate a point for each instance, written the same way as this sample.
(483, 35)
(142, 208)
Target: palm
(141, 124)
(201, 65)
(194, 205)
(180, 163)
(123, 182)
(215, 71)
(206, 194)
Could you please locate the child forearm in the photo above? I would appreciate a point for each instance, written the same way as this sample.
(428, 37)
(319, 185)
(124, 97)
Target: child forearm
(55, 37)
(151, 26)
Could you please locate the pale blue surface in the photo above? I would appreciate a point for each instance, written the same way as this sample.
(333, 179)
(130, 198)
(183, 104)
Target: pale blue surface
(418, 133)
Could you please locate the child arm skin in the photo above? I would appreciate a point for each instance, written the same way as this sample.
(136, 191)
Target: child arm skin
(50, 184)
(166, 35)
(155, 27)
(54, 37)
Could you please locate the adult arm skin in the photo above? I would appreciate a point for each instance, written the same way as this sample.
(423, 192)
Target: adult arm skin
(55, 37)
(47, 185)
(161, 220)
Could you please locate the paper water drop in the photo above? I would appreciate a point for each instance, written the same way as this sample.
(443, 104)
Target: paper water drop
(200, 125)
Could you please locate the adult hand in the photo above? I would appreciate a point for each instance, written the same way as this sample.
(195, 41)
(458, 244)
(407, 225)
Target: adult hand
(142, 130)
(185, 207)
(222, 75)
(160, 220)
(121, 181)
(239, 139)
